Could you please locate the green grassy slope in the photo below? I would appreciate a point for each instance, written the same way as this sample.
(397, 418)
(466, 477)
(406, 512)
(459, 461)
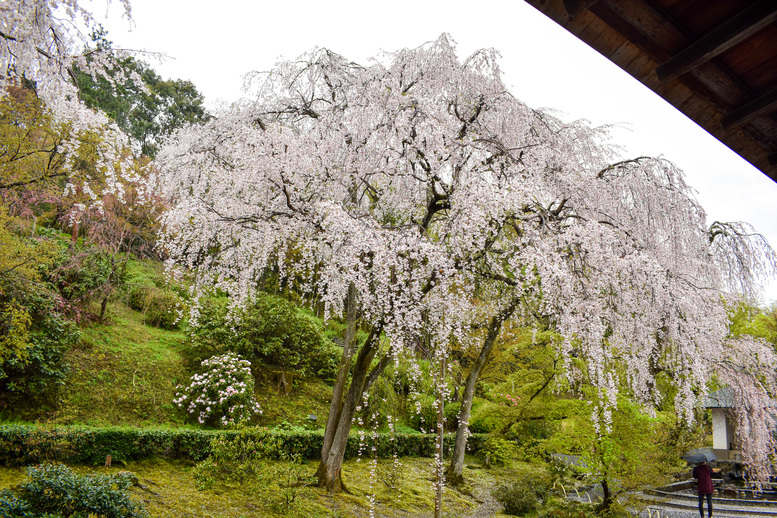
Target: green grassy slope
(124, 373)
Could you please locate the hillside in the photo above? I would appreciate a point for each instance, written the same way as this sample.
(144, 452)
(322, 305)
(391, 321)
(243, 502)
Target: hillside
(124, 372)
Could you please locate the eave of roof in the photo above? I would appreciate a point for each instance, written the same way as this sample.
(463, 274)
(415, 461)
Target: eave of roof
(693, 61)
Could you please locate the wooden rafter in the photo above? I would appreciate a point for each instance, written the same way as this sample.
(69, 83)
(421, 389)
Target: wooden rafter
(759, 106)
(720, 39)
(575, 7)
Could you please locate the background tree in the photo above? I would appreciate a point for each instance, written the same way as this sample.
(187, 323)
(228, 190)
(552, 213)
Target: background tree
(146, 111)
(113, 232)
(29, 156)
(625, 458)
(748, 319)
(46, 165)
(423, 196)
(76, 161)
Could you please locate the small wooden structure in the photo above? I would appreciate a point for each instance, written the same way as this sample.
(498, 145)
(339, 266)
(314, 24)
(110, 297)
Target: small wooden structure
(714, 60)
(725, 442)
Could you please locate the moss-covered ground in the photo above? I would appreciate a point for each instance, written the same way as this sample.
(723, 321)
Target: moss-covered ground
(169, 489)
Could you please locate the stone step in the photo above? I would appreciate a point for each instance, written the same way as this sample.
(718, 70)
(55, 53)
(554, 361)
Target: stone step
(735, 502)
(722, 507)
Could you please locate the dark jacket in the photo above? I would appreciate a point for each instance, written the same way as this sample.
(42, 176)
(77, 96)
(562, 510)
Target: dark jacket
(704, 473)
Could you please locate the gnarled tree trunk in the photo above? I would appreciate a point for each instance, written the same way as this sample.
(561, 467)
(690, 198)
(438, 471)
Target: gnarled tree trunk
(343, 406)
(455, 473)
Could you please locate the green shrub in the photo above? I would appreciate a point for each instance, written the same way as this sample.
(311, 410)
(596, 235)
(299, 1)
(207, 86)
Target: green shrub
(498, 451)
(136, 297)
(161, 308)
(393, 475)
(12, 507)
(532, 435)
(290, 478)
(526, 430)
(80, 275)
(26, 444)
(243, 459)
(164, 309)
(34, 377)
(487, 418)
(236, 458)
(223, 395)
(55, 489)
(520, 497)
(272, 331)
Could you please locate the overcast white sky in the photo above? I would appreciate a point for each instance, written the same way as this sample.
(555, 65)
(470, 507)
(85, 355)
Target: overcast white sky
(214, 44)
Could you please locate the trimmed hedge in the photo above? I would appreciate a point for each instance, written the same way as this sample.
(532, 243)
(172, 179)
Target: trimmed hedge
(26, 444)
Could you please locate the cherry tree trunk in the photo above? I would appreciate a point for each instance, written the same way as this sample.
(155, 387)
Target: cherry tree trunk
(343, 405)
(455, 474)
(338, 428)
(336, 404)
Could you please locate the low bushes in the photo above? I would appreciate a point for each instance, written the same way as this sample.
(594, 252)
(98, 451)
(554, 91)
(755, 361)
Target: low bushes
(498, 451)
(53, 490)
(489, 417)
(522, 496)
(25, 444)
(272, 331)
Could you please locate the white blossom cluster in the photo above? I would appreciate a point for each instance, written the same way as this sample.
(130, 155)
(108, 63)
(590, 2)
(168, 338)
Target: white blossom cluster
(754, 404)
(223, 394)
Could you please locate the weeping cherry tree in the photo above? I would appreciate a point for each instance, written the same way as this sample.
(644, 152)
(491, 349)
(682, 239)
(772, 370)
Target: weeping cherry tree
(418, 197)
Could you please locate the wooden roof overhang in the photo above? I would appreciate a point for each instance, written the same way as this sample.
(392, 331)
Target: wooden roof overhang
(714, 60)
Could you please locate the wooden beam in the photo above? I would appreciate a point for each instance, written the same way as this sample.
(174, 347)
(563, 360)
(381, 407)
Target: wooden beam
(575, 7)
(759, 106)
(771, 173)
(719, 40)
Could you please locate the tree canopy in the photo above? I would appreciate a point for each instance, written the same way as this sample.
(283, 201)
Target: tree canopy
(416, 197)
(41, 49)
(444, 202)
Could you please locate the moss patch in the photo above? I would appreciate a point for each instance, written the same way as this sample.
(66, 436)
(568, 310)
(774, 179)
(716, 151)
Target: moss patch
(168, 490)
(123, 374)
(306, 397)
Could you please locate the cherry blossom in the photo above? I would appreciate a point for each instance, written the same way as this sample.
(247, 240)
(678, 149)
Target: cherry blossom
(419, 197)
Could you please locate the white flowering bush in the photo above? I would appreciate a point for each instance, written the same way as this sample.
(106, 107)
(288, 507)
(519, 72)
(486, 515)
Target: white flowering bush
(223, 395)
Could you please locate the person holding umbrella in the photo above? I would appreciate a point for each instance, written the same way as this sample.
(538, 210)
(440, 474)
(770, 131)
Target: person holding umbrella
(703, 473)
